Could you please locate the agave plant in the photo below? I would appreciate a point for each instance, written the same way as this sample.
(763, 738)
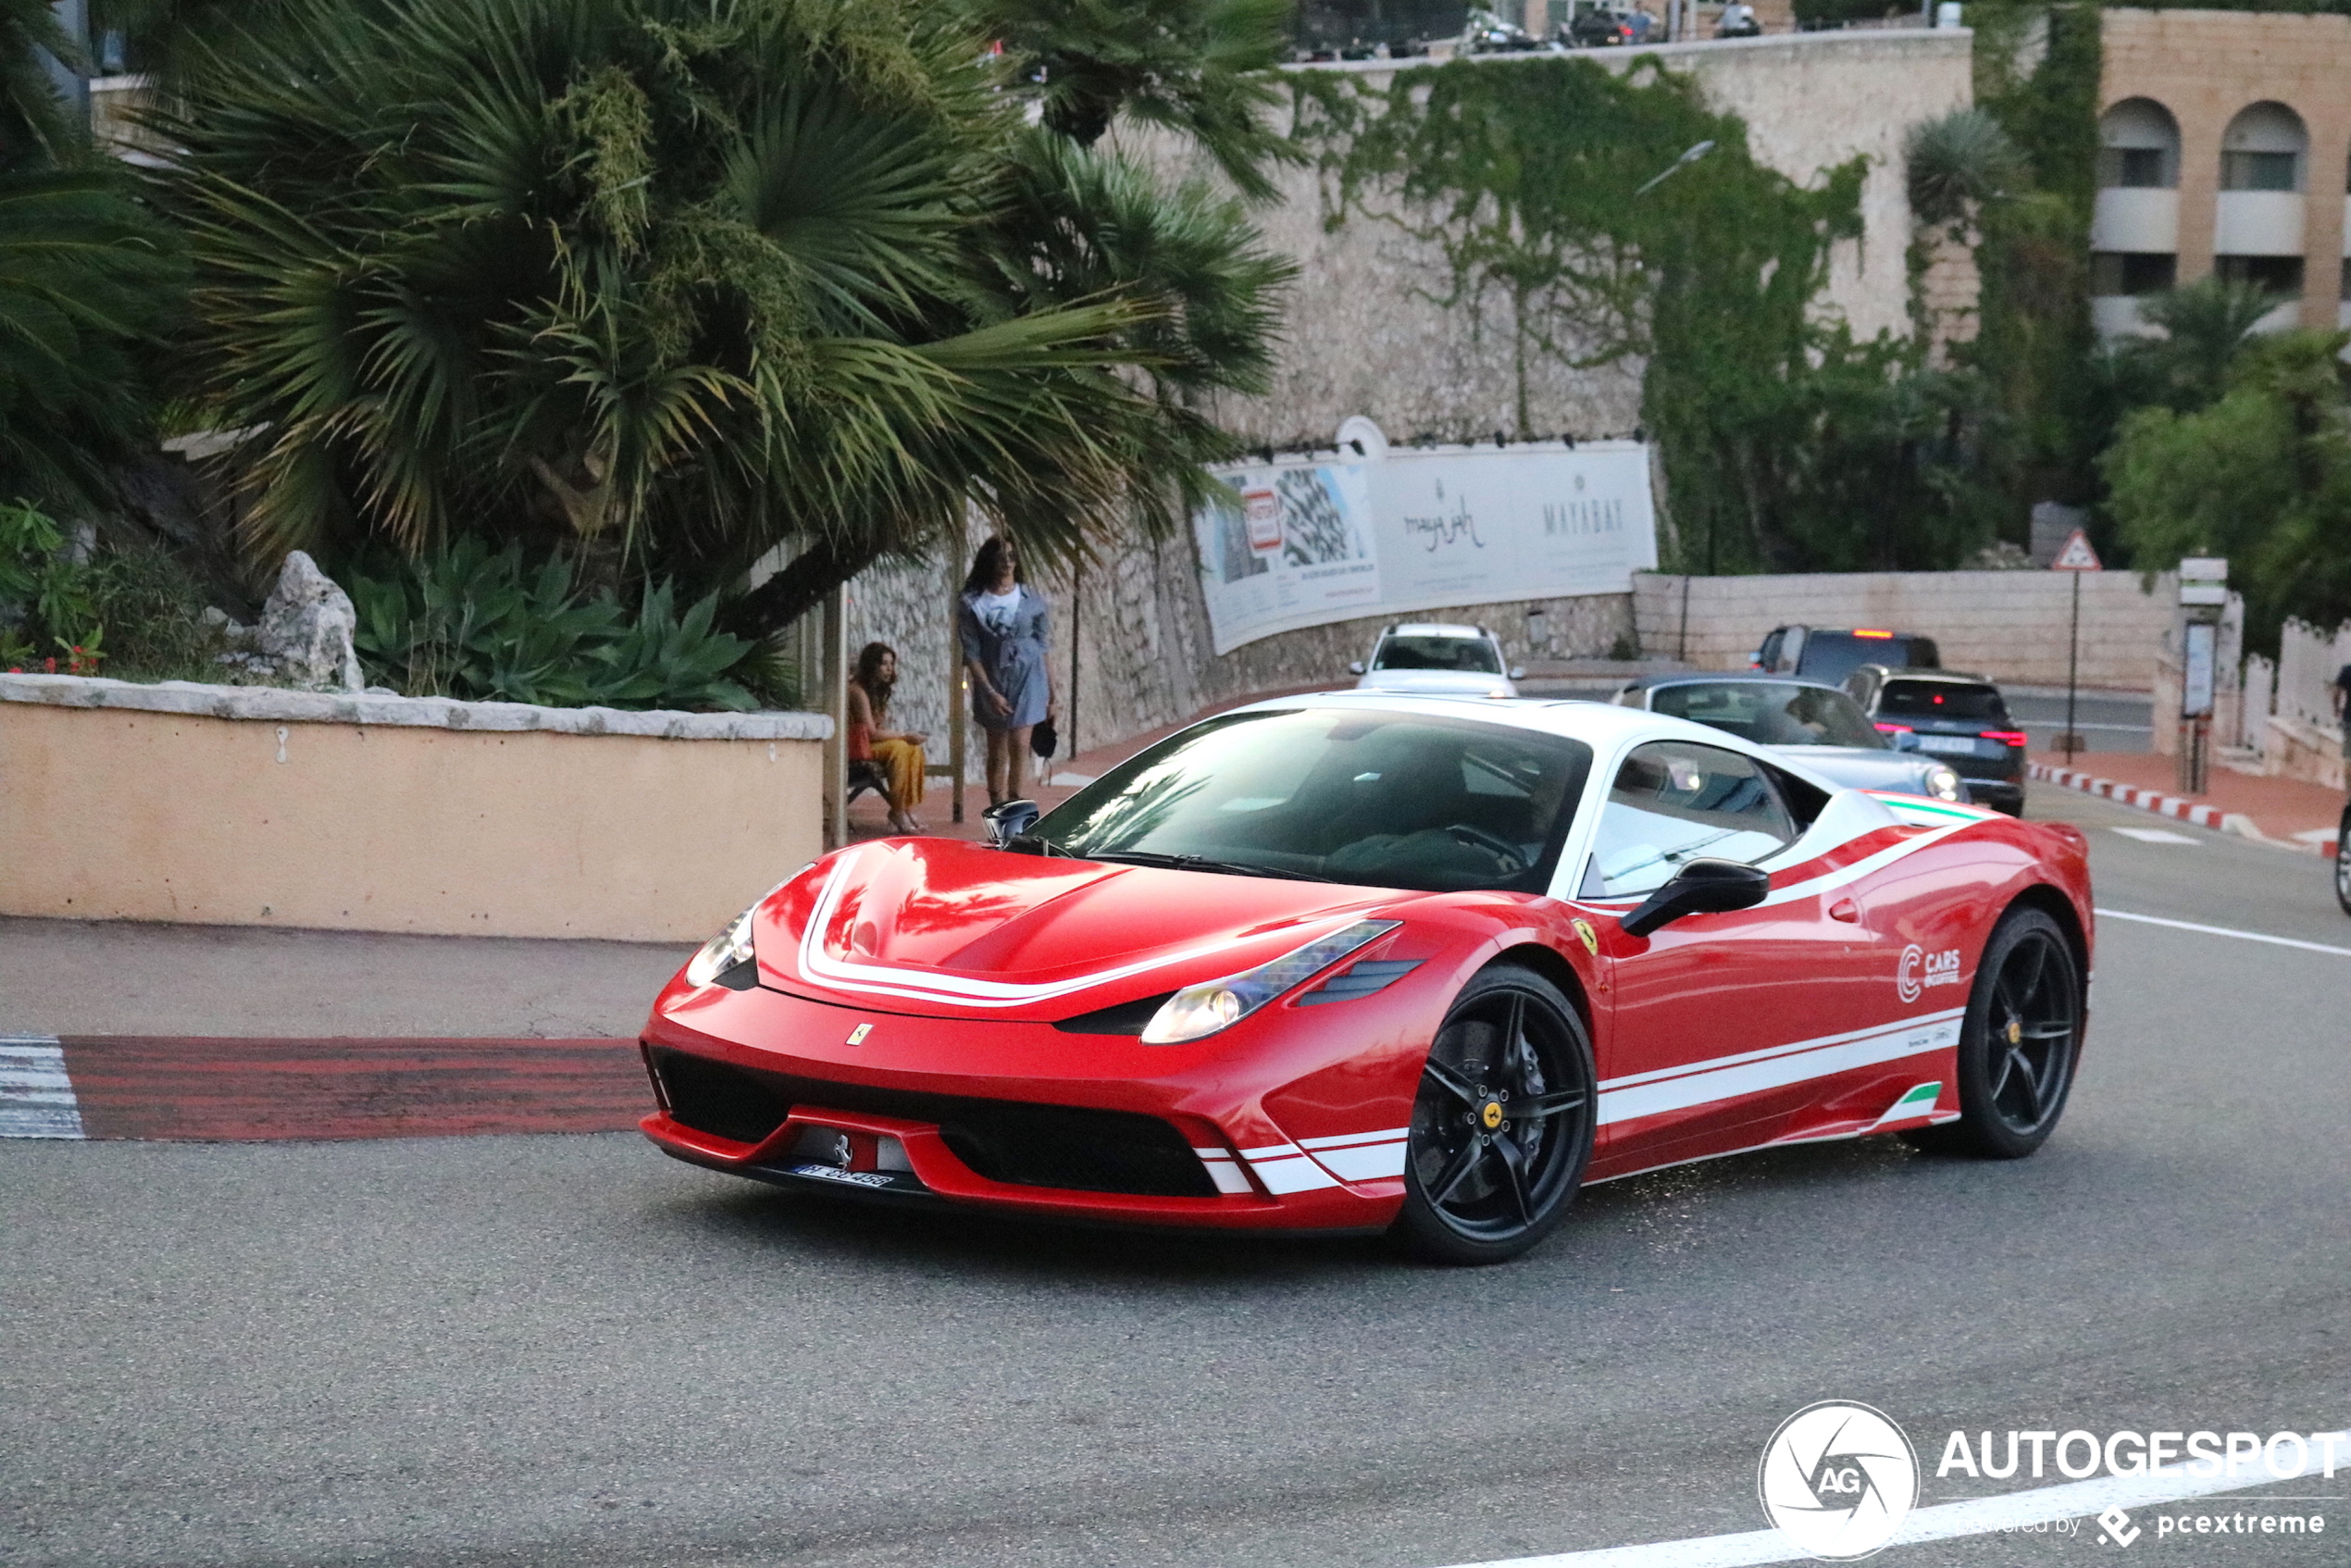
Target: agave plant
(660, 283)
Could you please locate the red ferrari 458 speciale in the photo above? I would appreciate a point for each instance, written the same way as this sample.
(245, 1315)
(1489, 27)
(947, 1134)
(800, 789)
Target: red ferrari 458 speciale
(1364, 962)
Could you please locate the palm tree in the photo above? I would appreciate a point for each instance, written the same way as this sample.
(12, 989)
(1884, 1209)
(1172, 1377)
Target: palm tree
(1200, 68)
(662, 282)
(86, 275)
(2204, 326)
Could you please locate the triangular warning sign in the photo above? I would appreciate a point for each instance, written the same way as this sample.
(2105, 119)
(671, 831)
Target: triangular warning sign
(2077, 556)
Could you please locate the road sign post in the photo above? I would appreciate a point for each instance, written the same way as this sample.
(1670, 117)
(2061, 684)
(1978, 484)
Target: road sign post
(2204, 595)
(2076, 557)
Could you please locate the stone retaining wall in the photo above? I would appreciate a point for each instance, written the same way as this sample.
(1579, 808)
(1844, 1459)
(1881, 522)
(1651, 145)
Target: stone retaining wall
(2011, 625)
(256, 806)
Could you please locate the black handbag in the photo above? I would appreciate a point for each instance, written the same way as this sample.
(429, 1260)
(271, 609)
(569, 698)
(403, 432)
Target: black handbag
(1043, 738)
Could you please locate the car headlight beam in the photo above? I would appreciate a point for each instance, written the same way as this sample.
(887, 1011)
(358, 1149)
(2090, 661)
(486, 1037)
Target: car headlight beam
(1197, 1012)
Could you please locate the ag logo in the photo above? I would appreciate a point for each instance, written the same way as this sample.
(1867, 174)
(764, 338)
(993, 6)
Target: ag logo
(1838, 1480)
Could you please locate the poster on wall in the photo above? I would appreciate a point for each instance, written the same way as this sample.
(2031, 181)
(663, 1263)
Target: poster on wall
(1304, 543)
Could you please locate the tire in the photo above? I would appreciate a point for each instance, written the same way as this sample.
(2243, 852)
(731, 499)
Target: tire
(2342, 862)
(2020, 1043)
(1502, 1125)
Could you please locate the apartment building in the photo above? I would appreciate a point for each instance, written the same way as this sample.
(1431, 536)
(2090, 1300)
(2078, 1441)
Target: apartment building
(2224, 147)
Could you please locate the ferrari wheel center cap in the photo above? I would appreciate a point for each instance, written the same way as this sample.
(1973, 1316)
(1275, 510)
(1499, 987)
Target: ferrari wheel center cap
(2016, 1031)
(1489, 1115)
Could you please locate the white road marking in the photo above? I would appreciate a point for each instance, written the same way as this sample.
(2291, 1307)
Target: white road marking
(36, 1097)
(1978, 1516)
(2157, 836)
(2222, 932)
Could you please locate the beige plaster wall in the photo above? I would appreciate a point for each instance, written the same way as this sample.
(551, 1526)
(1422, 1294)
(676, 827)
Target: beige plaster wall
(120, 813)
(2014, 627)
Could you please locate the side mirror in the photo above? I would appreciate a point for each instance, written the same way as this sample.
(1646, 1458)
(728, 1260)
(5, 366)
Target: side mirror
(1701, 886)
(1518, 672)
(1010, 820)
(1355, 666)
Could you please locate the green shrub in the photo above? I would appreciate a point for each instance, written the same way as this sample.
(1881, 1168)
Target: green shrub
(48, 618)
(491, 626)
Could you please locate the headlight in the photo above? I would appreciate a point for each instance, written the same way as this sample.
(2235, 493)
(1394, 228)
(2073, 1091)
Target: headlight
(1198, 1011)
(727, 950)
(1944, 785)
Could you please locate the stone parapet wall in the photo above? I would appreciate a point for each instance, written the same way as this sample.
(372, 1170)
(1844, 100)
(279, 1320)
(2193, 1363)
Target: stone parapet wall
(2011, 625)
(254, 806)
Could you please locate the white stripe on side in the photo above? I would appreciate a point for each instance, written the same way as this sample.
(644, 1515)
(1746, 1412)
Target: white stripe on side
(1714, 1063)
(36, 1096)
(1704, 1085)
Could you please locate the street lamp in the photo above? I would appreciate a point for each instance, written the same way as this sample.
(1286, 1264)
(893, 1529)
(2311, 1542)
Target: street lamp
(1691, 156)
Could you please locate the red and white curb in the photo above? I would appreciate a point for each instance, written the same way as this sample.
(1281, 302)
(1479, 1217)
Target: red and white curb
(208, 1089)
(2177, 807)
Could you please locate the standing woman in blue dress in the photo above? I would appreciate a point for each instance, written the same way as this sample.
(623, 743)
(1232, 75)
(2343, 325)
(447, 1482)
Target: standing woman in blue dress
(1006, 632)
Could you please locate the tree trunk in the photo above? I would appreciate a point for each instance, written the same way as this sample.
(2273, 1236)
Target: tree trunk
(799, 587)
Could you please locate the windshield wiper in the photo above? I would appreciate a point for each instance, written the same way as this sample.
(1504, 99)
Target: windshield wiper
(1203, 863)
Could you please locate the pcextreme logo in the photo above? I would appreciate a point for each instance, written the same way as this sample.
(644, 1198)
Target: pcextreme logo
(1837, 1479)
(1920, 969)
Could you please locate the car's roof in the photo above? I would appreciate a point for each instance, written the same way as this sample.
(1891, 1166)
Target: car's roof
(1431, 629)
(1712, 678)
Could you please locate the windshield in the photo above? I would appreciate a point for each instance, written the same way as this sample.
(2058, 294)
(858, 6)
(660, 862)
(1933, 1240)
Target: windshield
(1771, 713)
(1473, 654)
(1384, 800)
(1833, 655)
(1942, 699)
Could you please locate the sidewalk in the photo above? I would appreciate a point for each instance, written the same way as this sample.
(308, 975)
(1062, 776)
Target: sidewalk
(2279, 811)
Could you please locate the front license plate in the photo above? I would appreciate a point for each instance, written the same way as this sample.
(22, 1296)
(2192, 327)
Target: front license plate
(834, 1173)
(1949, 745)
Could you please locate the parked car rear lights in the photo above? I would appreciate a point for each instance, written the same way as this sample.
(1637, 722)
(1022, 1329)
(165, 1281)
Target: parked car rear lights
(2006, 737)
(1896, 729)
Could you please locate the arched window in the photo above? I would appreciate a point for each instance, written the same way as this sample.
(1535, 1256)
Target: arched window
(2263, 150)
(2138, 146)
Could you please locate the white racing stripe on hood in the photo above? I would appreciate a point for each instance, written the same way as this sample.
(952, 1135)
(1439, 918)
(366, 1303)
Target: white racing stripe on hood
(890, 979)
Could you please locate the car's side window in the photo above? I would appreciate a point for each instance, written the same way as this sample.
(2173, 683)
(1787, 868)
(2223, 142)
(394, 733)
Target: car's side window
(1672, 802)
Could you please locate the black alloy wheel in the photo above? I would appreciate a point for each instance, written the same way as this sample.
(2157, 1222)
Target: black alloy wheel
(2019, 1043)
(2343, 861)
(1502, 1126)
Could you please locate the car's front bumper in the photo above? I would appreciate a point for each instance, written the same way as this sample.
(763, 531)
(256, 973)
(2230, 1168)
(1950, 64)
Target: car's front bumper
(1018, 1117)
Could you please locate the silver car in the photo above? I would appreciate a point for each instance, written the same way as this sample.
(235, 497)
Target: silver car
(1819, 726)
(1428, 658)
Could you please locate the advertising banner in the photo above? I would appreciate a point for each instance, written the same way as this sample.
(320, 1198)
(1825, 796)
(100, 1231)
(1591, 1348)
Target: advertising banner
(1306, 543)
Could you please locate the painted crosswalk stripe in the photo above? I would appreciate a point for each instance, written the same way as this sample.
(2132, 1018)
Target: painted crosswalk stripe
(36, 1097)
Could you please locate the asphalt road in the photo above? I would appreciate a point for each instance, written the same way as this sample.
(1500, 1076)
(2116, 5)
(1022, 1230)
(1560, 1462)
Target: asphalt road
(569, 1352)
(2106, 724)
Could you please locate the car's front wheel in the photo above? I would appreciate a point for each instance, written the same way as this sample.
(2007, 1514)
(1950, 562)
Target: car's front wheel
(2019, 1043)
(1502, 1126)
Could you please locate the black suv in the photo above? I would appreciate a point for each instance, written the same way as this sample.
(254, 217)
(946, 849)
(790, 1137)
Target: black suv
(1957, 718)
(1820, 654)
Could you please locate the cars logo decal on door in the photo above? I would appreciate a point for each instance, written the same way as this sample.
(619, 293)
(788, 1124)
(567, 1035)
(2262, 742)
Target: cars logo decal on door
(1920, 969)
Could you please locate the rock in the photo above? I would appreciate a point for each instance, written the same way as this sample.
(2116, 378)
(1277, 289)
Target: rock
(306, 628)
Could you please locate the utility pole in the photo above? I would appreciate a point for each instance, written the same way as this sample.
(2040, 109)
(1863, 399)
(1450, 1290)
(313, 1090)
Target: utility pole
(2078, 558)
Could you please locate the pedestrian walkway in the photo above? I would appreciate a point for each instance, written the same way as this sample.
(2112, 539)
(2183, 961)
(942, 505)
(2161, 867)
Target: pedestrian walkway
(2278, 811)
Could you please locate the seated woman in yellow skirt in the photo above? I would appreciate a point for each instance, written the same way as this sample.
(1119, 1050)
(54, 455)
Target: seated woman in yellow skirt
(897, 754)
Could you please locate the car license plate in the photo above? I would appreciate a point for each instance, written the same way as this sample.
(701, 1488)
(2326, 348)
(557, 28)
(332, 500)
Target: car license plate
(834, 1173)
(1949, 745)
